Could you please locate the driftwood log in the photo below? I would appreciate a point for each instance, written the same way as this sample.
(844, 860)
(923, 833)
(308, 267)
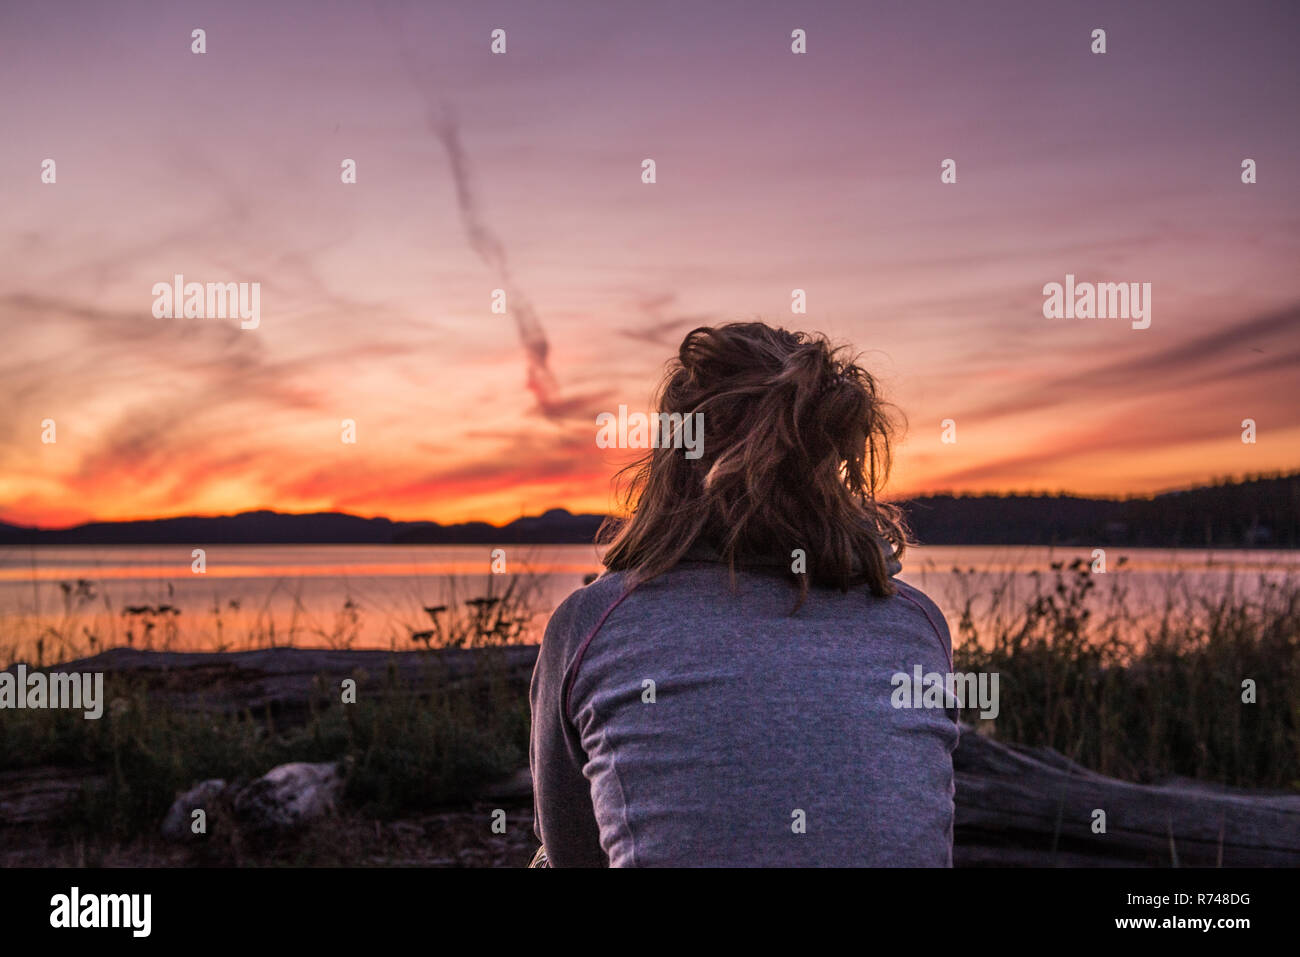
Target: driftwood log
(283, 680)
(1036, 807)
(1014, 805)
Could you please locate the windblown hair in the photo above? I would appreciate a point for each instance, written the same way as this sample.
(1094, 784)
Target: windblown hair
(795, 448)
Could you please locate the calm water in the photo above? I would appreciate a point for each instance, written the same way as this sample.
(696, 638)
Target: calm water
(78, 598)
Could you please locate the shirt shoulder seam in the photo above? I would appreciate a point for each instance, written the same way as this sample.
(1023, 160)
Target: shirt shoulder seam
(572, 676)
(947, 651)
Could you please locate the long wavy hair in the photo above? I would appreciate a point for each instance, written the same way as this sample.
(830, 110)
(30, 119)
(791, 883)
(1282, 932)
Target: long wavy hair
(796, 446)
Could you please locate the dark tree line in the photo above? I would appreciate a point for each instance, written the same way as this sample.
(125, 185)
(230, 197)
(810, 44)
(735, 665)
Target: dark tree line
(1259, 512)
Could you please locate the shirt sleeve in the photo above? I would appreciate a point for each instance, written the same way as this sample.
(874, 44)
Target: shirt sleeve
(564, 819)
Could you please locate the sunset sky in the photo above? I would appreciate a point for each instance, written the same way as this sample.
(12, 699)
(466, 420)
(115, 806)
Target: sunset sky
(775, 171)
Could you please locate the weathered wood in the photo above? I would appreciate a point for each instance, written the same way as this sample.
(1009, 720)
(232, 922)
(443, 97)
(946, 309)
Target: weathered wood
(34, 795)
(284, 679)
(1018, 805)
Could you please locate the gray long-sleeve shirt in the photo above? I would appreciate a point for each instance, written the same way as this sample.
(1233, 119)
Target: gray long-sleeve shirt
(687, 722)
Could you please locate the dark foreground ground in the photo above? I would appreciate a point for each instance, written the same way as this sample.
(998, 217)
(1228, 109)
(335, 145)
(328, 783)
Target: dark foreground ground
(452, 837)
(437, 743)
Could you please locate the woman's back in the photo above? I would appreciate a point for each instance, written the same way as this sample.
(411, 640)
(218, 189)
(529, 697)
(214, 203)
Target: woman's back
(726, 693)
(707, 725)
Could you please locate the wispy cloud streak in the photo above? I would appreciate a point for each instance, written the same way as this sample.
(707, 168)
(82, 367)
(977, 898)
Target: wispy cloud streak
(488, 246)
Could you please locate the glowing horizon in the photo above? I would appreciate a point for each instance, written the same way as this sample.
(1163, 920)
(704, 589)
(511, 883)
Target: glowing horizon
(775, 172)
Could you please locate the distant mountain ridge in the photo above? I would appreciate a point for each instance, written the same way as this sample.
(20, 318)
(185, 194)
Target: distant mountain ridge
(265, 527)
(1255, 513)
